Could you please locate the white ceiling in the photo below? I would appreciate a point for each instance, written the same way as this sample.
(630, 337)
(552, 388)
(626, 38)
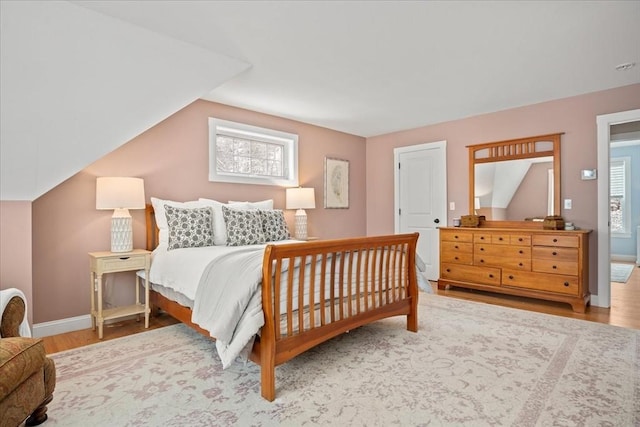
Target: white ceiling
(83, 77)
(369, 68)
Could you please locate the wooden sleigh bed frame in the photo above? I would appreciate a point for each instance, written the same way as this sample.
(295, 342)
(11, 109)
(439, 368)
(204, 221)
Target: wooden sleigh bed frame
(377, 282)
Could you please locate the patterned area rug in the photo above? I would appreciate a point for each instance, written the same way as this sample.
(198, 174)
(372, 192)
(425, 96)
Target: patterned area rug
(470, 364)
(621, 272)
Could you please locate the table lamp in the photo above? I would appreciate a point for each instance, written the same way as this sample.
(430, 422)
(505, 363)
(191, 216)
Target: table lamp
(301, 198)
(120, 194)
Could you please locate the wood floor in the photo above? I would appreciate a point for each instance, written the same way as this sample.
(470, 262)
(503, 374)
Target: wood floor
(624, 311)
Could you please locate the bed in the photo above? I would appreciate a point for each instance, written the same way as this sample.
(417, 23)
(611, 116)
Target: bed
(305, 292)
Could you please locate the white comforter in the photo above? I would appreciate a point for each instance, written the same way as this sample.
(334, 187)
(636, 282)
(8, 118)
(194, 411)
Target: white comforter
(224, 284)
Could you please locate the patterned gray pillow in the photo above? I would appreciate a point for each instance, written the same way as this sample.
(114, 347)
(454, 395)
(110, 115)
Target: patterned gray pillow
(274, 226)
(189, 228)
(244, 227)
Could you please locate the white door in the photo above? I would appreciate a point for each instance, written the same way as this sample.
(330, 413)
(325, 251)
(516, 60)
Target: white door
(421, 198)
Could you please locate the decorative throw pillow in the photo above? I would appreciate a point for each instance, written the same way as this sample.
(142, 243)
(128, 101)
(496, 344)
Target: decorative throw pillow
(161, 216)
(244, 227)
(189, 228)
(274, 226)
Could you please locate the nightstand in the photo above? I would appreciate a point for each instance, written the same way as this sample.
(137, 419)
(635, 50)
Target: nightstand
(112, 262)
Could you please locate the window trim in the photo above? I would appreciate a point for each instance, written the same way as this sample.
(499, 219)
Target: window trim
(289, 141)
(626, 208)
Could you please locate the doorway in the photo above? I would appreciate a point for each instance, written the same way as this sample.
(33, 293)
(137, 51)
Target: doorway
(420, 198)
(604, 124)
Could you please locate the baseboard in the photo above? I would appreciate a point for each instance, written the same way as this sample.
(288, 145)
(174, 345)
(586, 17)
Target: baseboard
(623, 258)
(61, 326)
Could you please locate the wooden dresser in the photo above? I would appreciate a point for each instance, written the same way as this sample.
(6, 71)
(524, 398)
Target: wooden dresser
(546, 264)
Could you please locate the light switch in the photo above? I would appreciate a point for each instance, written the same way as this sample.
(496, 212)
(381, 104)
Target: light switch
(567, 203)
(452, 206)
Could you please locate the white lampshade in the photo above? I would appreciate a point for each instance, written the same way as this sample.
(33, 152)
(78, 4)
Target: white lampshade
(301, 199)
(120, 194)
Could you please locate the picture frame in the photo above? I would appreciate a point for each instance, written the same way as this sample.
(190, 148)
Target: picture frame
(336, 183)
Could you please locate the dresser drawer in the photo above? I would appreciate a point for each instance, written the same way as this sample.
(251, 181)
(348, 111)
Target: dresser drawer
(520, 239)
(456, 247)
(521, 264)
(456, 236)
(470, 273)
(457, 257)
(500, 250)
(555, 267)
(556, 283)
(568, 241)
(558, 254)
(124, 263)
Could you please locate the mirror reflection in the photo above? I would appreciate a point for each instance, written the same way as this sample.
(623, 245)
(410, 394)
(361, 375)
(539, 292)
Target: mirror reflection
(515, 180)
(515, 190)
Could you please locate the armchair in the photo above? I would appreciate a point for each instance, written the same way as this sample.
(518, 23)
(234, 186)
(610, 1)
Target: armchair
(27, 376)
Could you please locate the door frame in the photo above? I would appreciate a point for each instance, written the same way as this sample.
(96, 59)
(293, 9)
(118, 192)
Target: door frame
(604, 123)
(442, 146)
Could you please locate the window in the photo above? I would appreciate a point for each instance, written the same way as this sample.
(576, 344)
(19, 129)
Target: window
(247, 154)
(619, 196)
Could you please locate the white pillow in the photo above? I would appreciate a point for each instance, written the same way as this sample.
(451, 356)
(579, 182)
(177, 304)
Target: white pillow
(161, 216)
(219, 226)
(264, 205)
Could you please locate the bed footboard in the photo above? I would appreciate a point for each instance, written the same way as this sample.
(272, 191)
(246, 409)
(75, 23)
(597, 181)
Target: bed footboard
(314, 291)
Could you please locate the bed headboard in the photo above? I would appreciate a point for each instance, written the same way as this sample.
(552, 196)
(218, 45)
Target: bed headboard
(153, 237)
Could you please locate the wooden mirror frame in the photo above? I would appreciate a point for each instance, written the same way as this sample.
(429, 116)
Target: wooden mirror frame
(514, 149)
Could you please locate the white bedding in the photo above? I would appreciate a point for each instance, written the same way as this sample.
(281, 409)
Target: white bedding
(223, 284)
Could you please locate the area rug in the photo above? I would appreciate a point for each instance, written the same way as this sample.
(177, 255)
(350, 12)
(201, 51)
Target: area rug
(621, 272)
(470, 364)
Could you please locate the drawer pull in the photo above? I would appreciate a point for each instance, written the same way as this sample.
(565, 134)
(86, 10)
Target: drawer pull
(456, 258)
(124, 257)
(500, 238)
(511, 277)
(554, 253)
(481, 261)
(481, 237)
(520, 239)
(555, 267)
(555, 240)
(566, 284)
(456, 246)
(520, 264)
(520, 252)
(455, 237)
(482, 249)
(490, 276)
(448, 270)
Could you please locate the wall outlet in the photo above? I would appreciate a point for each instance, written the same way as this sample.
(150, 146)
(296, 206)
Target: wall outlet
(452, 206)
(567, 203)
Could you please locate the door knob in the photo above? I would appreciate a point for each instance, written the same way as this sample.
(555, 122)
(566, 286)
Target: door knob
(437, 221)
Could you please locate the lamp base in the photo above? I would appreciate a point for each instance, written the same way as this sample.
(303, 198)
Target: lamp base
(121, 231)
(301, 225)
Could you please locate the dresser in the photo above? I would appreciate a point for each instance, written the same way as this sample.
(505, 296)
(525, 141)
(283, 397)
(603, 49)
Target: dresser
(546, 264)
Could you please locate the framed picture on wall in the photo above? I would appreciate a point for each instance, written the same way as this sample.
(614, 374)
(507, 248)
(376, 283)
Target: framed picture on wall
(336, 183)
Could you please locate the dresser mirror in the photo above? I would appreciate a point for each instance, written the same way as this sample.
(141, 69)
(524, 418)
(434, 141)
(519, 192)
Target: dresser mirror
(515, 180)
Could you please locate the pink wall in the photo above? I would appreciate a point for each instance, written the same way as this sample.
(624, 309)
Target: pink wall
(15, 249)
(172, 157)
(575, 116)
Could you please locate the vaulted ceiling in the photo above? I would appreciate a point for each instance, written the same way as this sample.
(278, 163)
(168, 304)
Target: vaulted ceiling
(81, 78)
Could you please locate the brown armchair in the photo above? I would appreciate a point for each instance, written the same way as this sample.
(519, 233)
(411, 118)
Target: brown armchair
(27, 376)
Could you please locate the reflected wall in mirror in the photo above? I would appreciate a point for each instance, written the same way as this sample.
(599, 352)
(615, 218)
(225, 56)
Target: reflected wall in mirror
(515, 180)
